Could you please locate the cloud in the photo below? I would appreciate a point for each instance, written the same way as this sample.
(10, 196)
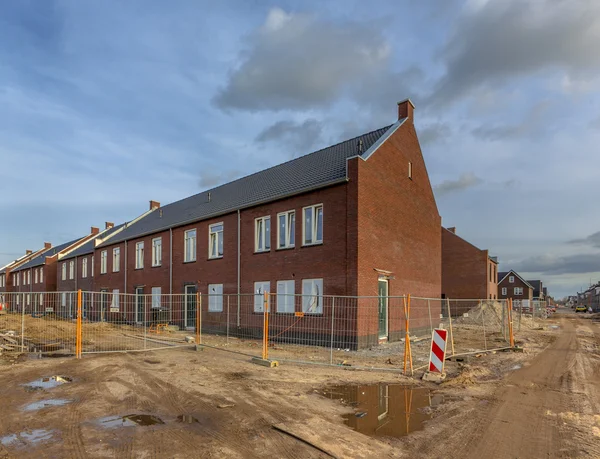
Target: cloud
(498, 41)
(300, 138)
(298, 61)
(553, 265)
(434, 133)
(465, 181)
(210, 180)
(592, 240)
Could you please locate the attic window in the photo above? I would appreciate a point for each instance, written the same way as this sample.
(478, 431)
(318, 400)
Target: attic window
(410, 170)
(511, 279)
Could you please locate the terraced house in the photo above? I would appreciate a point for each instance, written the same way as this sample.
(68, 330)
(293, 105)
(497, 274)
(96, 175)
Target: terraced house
(358, 218)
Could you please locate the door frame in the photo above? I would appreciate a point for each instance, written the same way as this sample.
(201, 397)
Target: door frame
(139, 294)
(387, 310)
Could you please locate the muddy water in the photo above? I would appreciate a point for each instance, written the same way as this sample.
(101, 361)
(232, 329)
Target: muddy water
(30, 438)
(48, 383)
(386, 410)
(131, 420)
(45, 404)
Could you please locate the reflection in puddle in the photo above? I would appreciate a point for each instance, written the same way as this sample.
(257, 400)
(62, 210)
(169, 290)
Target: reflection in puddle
(131, 420)
(388, 410)
(27, 438)
(187, 419)
(45, 403)
(48, 383)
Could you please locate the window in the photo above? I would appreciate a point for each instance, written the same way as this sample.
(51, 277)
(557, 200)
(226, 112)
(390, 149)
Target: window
(518, 290)
(139, 255)
(312, 225)
(504, 290)
(103, 257)
(260, 288)
(41, 299)
(114, 304)
(41, 275)
(29, 277)
(36, 280)
(18, 300)
(215, 240)
(72, 270)
(215, 298)
(491, 272)
(116, 259)
(285, 296)
(64, 271)
(92, 265)
(511, 279)
(156, 251)
(190, 246)
(262, 234)
(312, 296)
(410, 170)
(156, 293)
(18, 279)
(28, 299)
(63, 300)
(84, 267)
(286, 229)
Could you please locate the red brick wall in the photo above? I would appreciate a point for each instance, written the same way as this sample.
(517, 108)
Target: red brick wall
(527, 291)
(79, 283)
(465, 268)
(109, 280)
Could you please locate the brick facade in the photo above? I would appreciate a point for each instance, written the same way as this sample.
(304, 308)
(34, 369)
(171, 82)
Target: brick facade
(510, 288)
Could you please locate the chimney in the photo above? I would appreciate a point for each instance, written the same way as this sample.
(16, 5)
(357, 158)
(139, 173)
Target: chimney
(452, 230)
(94, 230)
(47, 245)
(154, 205)
(109, 225)
(28, 252)
(405, 109)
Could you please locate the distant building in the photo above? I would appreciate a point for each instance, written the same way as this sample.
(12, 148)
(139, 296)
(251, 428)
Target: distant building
(512, 285)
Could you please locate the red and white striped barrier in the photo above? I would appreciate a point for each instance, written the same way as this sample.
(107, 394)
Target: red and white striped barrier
(438, 351)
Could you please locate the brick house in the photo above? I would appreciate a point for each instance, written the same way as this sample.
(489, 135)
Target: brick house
(538, 289)
(36, 280)
(512, 285)
(358, 218)
(8, 281)
(467, 271)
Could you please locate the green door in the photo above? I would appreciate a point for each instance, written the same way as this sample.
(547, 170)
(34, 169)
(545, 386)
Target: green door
(383, 308)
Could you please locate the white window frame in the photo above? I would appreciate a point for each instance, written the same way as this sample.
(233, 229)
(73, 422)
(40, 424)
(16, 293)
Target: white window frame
(314, 225)
(18, 276)
(29, 277)
(190, 245)
(518, 291)
(116, 267)
(219, 243)
(511, 279)
(92, 265)
(215, 298)
(156, 297)
(41, 299)
(410, 170)
(139, 255)
(262, 241)
(63, 299)
(286, 303)
(42, 275)
(504, 291)
(84, 268)
(260, 288)
(71, 270)
(312, 301)
(63, 269)
(290, 229)
(114, 303)
(103, 261)
(35, 278)
(157, 251)
(28, 299)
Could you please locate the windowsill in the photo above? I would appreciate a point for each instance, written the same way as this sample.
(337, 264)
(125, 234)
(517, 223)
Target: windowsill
(287, 248)
(215, 258)
(220, 312)
(312, 244)
(261, 251)
(156, 266)
(189, 261)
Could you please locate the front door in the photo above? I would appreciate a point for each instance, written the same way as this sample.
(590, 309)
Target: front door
(383, 308)
(103, 304)
(190, 306)
(139, 304)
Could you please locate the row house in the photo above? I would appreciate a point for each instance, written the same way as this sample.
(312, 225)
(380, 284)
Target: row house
(358, 218)
(467, 271)
(36, 280)
(512, 286)
(538, 289)
(6, 279)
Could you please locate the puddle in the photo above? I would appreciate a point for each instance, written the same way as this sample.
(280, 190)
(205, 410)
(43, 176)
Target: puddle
(45, 404)
(31, 438)
(187, 419)
(48, 383)
(386, 410)
(131, 420)
(516, 367)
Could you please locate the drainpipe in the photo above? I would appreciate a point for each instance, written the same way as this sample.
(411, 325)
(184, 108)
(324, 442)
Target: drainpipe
(171, 261)
(125, 266)
(76, 271)
(239, 268)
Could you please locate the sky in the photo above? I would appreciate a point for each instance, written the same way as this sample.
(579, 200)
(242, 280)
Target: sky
(107, 105)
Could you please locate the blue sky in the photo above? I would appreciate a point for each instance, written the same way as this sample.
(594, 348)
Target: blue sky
(106, 105)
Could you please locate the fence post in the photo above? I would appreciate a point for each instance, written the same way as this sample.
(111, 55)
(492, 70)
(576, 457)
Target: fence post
(483, 322)
(407, 349)
(78, 345)
(22, 328)
(145, 319)
(227, 339)
(429, 311)
(265, 352)
(450, 319)
(198, 318)
(332, 327)
(510, 324)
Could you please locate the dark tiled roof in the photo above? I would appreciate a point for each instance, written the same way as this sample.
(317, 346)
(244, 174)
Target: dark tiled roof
(315, 170)
(536, 284)
(41, 259)
(88, 247)
(502, 275)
